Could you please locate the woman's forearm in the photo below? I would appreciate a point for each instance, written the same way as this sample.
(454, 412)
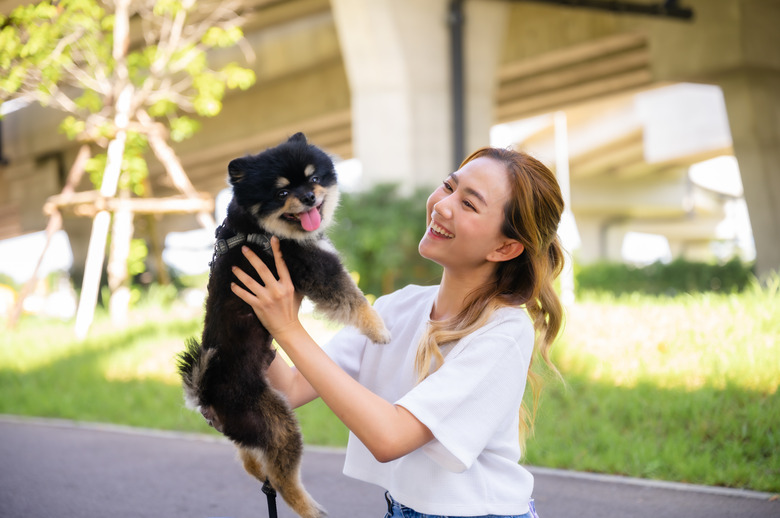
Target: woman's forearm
(387, 430)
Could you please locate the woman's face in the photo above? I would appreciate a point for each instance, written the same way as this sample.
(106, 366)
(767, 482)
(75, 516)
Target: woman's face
(465, 215)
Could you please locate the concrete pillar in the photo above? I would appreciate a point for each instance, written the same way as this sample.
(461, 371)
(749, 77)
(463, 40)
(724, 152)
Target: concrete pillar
(601, 237)
(397, 57)
(733, 43)
(753, 105)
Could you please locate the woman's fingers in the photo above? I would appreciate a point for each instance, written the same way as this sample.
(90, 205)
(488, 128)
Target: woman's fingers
(281, 266)
(270, 287)
(242, 294)
(262, 270)
(274, 301)
(247, 280)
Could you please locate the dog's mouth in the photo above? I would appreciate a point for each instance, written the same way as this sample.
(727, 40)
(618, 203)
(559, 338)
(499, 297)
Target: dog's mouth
(310, 219)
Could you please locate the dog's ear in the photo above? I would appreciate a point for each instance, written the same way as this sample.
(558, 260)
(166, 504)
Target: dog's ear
(298, 137)
(236, 170)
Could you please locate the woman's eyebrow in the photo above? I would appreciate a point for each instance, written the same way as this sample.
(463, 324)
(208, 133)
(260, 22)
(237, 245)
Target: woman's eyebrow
(469, 190)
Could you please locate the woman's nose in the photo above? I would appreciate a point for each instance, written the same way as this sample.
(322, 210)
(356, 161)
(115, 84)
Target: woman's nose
(443, 207)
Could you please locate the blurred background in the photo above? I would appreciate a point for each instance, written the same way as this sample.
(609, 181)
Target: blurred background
(660, 118)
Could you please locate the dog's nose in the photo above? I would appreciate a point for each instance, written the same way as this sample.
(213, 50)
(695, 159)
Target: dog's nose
(309, 198)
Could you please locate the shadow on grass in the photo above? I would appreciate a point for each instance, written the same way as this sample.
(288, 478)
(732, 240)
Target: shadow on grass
(726, 437)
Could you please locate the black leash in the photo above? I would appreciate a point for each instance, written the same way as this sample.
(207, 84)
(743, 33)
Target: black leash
(270, 494)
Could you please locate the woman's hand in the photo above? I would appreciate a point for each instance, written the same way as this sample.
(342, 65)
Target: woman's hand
(276, 304)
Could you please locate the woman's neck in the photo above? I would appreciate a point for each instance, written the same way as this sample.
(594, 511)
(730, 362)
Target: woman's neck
(455, 290)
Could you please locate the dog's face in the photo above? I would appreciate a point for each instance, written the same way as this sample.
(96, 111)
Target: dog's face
(290, 189)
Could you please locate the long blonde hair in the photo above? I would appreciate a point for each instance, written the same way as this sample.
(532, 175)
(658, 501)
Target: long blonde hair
(531, 217)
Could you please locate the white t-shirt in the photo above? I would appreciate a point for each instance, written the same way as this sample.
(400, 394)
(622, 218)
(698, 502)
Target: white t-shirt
(471, 405)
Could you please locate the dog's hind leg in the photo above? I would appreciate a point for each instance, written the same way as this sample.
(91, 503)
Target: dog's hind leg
(277, 457)
(282, 456)
(251, 458)
(284, 473)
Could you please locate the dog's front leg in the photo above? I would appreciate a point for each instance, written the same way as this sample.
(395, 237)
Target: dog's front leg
(321, 276)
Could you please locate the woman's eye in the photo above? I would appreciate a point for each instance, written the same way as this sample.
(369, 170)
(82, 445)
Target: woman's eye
(469, 205)
(282, 194)
(447, 187)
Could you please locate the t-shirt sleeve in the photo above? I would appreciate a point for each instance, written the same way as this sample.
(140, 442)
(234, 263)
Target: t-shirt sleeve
(478, 387)
(346, 348)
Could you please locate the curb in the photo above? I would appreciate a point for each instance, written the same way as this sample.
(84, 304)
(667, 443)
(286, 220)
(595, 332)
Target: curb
(653, 484)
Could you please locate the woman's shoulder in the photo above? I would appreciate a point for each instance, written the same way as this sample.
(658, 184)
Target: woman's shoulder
(410, 296)
(510, 321)
(512, 314)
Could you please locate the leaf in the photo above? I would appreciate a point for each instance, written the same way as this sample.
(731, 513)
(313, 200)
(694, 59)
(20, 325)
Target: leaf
(207, 106)
(167, 8)
(183, 128)
(219, 37)
(238, 77)
(197, 62)
(162, 107)
(90, 100)
(72, 127)
(95, 167)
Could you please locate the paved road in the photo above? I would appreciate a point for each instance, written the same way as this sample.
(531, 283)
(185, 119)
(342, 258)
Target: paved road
(65, 470)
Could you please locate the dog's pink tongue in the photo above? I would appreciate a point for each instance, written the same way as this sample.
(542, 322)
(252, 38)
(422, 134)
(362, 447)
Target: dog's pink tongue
(311, 220)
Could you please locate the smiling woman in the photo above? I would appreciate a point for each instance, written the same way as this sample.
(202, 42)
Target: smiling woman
(445, 396)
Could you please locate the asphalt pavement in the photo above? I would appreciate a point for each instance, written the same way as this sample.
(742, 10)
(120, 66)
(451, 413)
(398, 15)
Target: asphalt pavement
(61, 469)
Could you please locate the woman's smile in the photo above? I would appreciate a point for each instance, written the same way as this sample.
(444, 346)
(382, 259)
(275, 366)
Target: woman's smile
(438, 231)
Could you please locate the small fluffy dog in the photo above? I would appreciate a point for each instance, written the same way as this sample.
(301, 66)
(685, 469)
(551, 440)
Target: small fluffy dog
(288, 191)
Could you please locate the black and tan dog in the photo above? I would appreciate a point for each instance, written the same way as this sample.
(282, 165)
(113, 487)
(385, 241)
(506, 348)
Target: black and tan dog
(288, 191)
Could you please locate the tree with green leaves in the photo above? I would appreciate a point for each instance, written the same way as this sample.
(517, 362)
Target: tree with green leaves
(131, 76)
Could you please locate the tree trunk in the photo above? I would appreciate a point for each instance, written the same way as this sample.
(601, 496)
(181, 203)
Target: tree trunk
(116, 150)
(118, 278)
(96, 252)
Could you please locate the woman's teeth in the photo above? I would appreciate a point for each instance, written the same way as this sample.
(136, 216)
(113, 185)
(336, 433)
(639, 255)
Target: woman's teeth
(436, 229)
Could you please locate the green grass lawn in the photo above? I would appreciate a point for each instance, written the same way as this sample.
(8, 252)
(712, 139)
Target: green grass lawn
(681, 389)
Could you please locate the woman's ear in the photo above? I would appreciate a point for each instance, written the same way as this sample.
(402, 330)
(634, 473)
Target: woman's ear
(507, 251)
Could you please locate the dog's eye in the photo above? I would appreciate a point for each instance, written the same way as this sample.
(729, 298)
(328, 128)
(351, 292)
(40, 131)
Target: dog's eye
(282, 194)
(314, 179)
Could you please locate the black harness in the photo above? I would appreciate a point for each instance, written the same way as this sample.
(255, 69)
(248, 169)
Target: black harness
(223, 246)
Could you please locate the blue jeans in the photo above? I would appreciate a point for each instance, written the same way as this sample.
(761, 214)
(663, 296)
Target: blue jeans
(396, 510)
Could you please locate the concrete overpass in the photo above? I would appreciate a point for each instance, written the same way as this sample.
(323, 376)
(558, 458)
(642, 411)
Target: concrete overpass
(373, 80)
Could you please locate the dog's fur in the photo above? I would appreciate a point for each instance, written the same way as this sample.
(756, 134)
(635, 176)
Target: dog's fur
(224, 375)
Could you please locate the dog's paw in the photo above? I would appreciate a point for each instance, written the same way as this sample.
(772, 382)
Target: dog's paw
(368, 321)
(379, 335)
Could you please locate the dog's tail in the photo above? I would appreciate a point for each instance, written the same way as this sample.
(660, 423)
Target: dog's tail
(192, 364)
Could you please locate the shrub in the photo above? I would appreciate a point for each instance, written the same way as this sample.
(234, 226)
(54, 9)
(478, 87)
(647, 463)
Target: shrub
(678, 276)
(377, 233)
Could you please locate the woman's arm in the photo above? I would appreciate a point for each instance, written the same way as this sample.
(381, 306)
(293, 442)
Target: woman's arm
(387, 430)
(290, 382)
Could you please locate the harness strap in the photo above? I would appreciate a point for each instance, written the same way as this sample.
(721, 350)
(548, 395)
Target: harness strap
(270, 494)
(222, 246)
